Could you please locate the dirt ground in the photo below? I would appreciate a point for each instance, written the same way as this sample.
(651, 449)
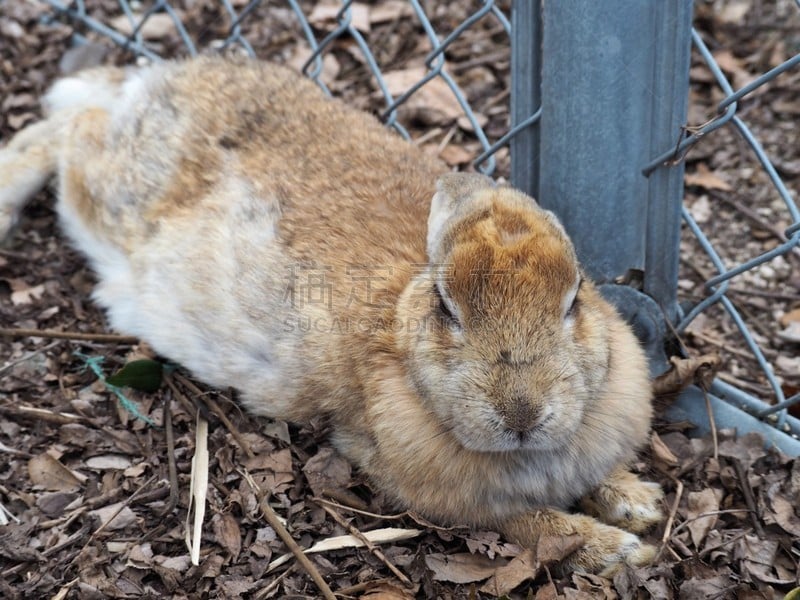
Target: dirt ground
(97, 500)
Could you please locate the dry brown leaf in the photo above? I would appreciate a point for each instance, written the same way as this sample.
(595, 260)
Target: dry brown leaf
(465, 124)
(22, 293)
(226, 530)
(758, 558)
(734, 11)
(700, 209)
(455, 155)
(791, 333)
(711, 587)
(547, 592)
(747, 449)
(136, 470)
(594, 586)
(704, 178)
(323, 16)
(433, 103)
(327, 470)
(330, 65)
(108, 461)
(700, 503)
(140, 556)
(115, 516)
(785, 516)
(272, 471)
(54, 503)
(20, 120)
(463, 567)
(48, 473)
(390, 10)
(19, 101)
(157, 26)
(684, 372)
(786, 107)
(733, 66)
(506, 578)
(176, 563)
(661, 451)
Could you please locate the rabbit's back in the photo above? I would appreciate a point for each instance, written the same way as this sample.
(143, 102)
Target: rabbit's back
(235, 215)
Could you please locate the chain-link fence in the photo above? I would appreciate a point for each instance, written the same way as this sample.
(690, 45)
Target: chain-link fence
(658, 67)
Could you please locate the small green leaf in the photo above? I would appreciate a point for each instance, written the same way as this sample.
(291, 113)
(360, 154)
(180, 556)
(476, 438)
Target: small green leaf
(793, 595)
(144, 375)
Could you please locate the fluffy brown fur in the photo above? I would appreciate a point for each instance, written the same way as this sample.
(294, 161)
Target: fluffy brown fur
(274, 240)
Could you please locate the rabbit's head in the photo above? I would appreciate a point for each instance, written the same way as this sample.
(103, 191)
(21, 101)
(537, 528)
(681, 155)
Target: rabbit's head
(513, 341)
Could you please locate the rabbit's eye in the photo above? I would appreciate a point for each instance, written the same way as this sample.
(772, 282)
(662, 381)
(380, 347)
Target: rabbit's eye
(442, 307)
(573, 308)
(574, 305)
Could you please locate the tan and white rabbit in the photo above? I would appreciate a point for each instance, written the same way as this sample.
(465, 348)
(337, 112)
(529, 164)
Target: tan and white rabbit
(275, 240)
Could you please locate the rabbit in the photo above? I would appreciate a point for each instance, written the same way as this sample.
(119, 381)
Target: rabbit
(270, 238)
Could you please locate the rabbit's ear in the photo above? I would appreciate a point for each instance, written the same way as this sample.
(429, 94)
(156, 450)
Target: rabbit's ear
(454, 192)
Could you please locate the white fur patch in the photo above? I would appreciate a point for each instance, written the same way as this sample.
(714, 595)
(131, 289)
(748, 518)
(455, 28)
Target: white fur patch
(79, 93)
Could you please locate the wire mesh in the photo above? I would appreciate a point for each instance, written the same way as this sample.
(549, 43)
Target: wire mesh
(129, 29)
(717, 287)
(130, 34)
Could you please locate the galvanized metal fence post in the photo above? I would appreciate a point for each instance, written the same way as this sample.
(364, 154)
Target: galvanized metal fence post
(526, 66)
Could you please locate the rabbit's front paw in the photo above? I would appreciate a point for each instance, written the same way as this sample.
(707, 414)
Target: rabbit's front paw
(606, 549)
(625, 501)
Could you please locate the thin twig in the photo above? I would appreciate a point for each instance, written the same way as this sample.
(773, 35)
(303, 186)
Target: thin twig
(712, 423)
(730, 349)
(354, 531)
(446, 140)
(490, 58)
(763, 294)
(109, 338)
(275, 522)
(173, 469)
(190, 408)
(212, 404)
(361, 512)
(710, 513)
(27, 357)
(362, 587)
(747, 385)
(708, 551)
(266, 590)
(673, 511)
(40, 414)
(428, 136)
(345, 497)
(413, 516)
(749, 499)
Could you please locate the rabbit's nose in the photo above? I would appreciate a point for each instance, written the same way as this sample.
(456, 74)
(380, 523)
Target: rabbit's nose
(519, 414)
